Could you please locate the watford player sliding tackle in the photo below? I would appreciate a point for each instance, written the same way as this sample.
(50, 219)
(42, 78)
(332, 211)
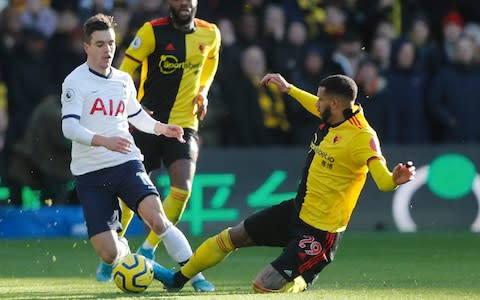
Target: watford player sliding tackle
(343, 149)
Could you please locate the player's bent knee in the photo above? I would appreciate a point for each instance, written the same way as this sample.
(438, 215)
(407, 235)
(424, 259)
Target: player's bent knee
(295, 286)
(159, 226)
(108, 256)
(240, 237)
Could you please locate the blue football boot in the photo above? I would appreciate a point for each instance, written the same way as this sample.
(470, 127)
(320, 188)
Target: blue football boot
(166, 276)
(203, 285)
(148, 253)
(104, 272)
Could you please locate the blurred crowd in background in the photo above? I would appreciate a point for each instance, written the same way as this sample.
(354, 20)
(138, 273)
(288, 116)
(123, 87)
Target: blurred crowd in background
(416, 64)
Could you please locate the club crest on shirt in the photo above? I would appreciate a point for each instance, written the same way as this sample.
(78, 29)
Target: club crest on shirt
(336, 139)
(136, 43)
(201, 47)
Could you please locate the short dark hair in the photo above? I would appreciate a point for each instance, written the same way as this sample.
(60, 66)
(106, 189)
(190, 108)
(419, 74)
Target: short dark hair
(340, 85)
(97, 23)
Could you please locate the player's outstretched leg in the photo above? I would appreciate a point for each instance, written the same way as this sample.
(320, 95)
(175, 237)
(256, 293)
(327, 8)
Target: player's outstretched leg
(179, 249)
(209, 253)
(165, 276)
(199, 282)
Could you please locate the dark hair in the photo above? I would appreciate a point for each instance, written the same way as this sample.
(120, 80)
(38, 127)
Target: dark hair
(96, 23)
(340, 85)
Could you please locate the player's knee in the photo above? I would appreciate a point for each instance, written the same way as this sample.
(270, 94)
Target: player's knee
(240, 237)
(108, 255)
(259, 288)
(159, 225)
(295, 286)
(265, 287)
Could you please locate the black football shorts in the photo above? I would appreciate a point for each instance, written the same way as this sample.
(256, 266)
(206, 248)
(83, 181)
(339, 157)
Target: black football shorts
(307, 250)
(161, 149)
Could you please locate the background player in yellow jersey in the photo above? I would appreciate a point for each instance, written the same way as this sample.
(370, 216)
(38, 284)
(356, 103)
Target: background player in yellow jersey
(179, 58)
(343, 149)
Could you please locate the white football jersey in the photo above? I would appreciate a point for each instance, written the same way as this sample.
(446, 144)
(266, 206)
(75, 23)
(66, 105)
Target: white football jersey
(103, 106)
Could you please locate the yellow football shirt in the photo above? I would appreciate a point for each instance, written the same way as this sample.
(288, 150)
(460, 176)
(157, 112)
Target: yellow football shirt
(336, 168)
(175, 66)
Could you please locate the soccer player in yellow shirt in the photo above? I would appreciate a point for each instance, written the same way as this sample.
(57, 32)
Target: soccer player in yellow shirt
(309, 227)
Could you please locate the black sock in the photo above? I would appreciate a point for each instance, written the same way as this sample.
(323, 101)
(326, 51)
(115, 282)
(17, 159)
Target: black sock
(180, 279)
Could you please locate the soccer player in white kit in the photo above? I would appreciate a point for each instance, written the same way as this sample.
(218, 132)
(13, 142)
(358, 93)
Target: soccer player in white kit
(98, 102)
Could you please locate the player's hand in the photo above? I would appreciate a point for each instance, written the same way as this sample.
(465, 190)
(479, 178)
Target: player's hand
(403, 173)
(113, 143)
(171, 131)
(201, 104)
(278, 80)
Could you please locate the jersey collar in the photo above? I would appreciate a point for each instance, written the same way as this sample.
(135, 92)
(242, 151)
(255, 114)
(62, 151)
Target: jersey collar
(348, 113)
(108, 76)
(170, 20)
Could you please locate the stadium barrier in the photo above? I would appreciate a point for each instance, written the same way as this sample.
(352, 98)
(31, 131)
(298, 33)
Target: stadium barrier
(230, 184)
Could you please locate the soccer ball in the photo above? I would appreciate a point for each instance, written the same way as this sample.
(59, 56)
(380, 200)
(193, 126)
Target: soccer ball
(133, 274)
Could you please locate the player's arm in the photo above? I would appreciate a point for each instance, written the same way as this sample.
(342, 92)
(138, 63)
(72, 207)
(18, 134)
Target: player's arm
(206, 77)
(72, 106)
(73, 130)
(365, 149)
(144, 122)
(386, 180)
(211, 64)
(307, 100)
(140, 48)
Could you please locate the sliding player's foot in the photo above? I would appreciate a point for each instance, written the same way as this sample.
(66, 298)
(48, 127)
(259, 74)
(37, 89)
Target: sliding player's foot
(166, 276)
(203, 285)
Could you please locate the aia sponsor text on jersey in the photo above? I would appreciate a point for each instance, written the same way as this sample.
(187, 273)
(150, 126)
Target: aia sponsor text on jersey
(108, 108)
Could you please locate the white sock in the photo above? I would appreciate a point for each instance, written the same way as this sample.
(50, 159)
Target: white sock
(176, 244)
(178, 248)
(123, 249)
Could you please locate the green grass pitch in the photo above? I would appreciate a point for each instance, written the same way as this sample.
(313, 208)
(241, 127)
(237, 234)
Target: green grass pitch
(383, 265)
